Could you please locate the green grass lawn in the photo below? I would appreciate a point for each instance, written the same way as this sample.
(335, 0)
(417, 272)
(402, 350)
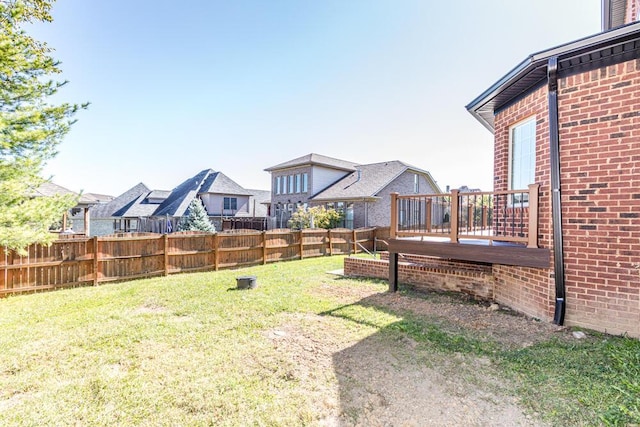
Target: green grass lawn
(191, 350)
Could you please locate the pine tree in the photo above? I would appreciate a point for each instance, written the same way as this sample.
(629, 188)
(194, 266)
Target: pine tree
(197, 218)
(30, 128)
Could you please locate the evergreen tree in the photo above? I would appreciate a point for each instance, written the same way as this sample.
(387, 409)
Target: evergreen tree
(30, 128)
(197, 218)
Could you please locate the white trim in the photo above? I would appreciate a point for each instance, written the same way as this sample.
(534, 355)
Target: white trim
(511, 154)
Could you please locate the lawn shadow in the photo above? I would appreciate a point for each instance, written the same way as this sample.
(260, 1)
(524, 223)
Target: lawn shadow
(392, 378)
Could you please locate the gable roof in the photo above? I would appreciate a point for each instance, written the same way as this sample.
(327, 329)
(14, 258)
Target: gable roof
(206, 181)
(120, 203)
(181, 196)
(589, 53)
(315, 160)
(219, 183)
(138, 207)
(368, 180)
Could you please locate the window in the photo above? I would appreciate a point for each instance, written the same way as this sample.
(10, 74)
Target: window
(230, 203)
(522, 157)
(298, 179)
(291, 188)
(416, 183)
(277, 185)
(305, 179)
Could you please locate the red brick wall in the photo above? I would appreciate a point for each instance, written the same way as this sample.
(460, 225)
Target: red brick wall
(528, 290)
(631, 15)
(600, 176)
(599, 114)
(429, 274)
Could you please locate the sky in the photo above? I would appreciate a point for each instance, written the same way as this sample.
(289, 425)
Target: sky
(242, 85)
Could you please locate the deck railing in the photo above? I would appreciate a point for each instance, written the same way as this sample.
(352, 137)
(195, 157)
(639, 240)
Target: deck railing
(506, 216)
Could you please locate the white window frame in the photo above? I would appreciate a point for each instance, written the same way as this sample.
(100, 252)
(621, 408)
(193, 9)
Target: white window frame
(277, 185)
(229, 201)
(517, 131)
(305, 182)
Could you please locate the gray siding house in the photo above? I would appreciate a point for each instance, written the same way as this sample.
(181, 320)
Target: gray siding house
(159, 211)
(360, 192)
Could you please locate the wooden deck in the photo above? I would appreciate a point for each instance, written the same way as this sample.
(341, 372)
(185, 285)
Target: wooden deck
(476, 251)
(487, 227)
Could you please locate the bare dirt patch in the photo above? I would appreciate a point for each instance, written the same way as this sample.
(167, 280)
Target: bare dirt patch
(376, 380)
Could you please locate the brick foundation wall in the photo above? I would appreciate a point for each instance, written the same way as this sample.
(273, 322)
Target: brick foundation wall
(429, 274)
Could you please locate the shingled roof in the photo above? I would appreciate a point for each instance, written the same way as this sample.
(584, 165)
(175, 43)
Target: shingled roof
(315, 160)
(120, 204)
(206, 181)
(369, 180)
(49, 189)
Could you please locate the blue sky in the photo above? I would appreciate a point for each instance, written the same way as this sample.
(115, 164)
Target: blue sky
(239, 86)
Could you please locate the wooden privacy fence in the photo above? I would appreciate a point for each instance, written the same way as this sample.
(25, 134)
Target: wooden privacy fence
(89, 261)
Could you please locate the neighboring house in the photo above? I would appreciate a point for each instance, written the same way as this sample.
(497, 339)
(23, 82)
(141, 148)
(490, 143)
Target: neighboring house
(365, 194)
(107, 218)
(260, 203)
(568, 118)
(159, 211)
(360, 192)
(294, 182)
(222, 198)
(49, 189)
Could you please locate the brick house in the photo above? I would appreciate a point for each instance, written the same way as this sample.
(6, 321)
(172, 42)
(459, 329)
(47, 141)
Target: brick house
(360, 192)
(558, 238)
(568, 118)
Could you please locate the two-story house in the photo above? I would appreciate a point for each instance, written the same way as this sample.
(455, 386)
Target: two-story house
(362, 193)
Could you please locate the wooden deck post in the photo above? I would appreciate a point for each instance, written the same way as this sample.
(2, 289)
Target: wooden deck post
(428, 213)
(87, 222)
(393, 230)
(534, 190)
(393, 271)
(453, 218)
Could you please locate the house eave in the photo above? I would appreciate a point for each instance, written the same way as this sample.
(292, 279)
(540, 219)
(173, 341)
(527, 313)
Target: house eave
(602, 49)
(347, 199)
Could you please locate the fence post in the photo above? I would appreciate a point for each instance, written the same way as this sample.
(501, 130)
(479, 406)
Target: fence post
(330, 242)
(264, 247)
(301, 244)
(166, 254)
(394, 216)
(96, 264)
(355, 242)
(454, 216)
(428, 220)
(215, 252)
(533, 215)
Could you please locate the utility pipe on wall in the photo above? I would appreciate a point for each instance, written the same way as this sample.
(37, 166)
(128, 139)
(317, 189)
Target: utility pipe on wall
(556, 201)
